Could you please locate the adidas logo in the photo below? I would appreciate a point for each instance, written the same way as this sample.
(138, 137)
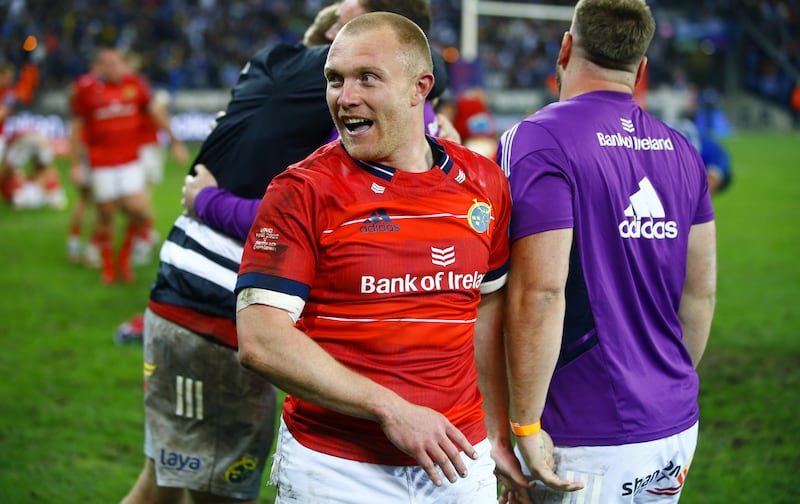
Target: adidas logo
(647, 214)
(377, 189)
(379, 222)
(461, 177)
(645, 202)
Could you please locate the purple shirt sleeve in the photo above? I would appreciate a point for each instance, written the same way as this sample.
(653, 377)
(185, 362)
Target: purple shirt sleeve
(542, 195)
(226, 212)
(334, 135)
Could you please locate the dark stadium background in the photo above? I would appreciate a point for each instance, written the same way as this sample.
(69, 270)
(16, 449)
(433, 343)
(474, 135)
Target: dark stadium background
(742, 55)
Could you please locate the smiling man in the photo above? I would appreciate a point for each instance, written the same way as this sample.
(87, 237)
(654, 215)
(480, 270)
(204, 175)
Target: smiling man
(360, 287)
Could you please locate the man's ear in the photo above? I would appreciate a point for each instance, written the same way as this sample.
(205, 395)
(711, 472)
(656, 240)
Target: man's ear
(640, 71)
(423, 88)
(565, 53)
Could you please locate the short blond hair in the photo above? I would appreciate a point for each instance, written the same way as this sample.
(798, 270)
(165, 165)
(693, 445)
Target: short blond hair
(415, 50)
(315, 34)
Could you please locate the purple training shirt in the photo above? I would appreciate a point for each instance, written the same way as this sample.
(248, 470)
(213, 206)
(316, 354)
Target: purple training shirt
(631, 188)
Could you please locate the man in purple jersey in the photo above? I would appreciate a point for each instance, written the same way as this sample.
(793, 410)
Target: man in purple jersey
(613, 278)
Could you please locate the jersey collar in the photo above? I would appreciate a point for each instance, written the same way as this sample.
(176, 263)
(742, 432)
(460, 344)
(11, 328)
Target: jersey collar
(441, 160)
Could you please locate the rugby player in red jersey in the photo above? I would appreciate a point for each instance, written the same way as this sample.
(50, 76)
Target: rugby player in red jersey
(109, 106)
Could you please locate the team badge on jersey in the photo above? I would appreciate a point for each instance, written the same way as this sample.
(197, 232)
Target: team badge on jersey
(128, 92)
(479, 216)
(241, 470)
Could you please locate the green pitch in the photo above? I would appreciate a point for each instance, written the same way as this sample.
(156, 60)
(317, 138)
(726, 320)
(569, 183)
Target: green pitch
(71, 400)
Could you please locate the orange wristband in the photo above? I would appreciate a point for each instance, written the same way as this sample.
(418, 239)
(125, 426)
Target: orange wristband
(526, 430)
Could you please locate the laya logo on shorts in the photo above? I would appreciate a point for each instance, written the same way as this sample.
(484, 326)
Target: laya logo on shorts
(179, 461)
(673, 475)
(241, 470)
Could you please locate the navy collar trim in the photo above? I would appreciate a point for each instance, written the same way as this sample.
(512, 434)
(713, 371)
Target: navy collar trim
(440, 157)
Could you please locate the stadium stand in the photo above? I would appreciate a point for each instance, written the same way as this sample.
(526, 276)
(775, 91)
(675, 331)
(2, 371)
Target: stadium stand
(199, 45)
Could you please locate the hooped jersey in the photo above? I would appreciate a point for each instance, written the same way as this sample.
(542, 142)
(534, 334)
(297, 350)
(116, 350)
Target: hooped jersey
(384, 269)
(113, 114)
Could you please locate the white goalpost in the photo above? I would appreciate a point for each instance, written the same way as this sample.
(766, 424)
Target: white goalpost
(472, 9)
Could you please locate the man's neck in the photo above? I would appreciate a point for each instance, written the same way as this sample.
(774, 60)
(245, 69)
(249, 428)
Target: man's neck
(586, 77)
(412, 158)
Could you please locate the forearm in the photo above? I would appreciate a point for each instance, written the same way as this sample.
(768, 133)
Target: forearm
(160, 114)
(75, 141)
(490, 360)
(699, 291)
(696, 313)
(535, 318)
(270, 345)
(226, 212)
(533, 339)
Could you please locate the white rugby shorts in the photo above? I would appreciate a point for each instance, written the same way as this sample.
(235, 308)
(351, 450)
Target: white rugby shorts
(111, 183)
(649, 472)
(303, 475)
(152, 156)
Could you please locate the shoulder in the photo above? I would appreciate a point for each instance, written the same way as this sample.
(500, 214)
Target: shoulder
(326, 175)
(135, 80)
(84, 82)
(83, 87)
(463, 155)
(319, 167)
(534, 133)
(283, 69)
(295, 57)
(479, 169)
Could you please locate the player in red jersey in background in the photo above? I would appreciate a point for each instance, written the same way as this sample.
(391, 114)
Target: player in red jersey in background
(110, 105)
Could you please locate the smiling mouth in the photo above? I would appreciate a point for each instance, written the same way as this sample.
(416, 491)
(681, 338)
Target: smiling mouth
(357, 125)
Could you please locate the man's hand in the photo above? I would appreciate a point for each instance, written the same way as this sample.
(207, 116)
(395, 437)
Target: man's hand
(514, 484)
(537, 451)
(213, 124)
(192, 186)
(446, 129)
(431, 439)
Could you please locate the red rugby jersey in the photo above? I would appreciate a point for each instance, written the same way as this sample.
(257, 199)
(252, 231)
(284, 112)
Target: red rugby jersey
(113, 115)
(148, 131)
(385, 269)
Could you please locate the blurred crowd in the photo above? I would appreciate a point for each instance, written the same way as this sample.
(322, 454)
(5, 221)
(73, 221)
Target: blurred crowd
(179, 44)
(190, 44)
(778, 21)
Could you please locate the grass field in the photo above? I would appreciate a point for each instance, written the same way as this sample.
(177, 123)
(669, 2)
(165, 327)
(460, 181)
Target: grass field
(71, 400)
